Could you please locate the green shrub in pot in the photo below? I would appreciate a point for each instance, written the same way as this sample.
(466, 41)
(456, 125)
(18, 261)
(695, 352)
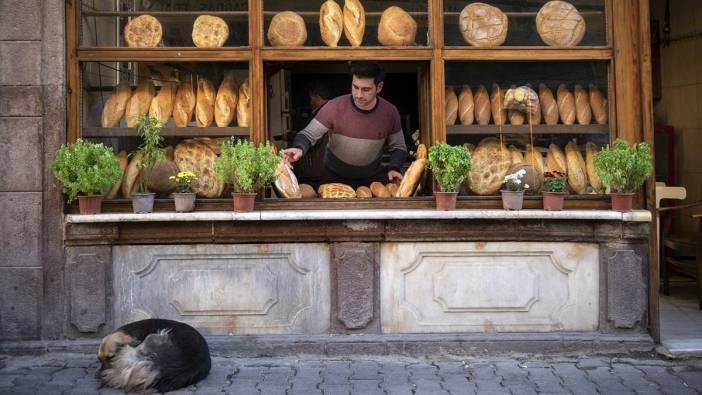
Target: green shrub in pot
(623, 167)
(450, 165)
(246, 166)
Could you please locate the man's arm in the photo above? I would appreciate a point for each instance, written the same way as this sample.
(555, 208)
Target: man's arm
(309, 136)
(398, 150)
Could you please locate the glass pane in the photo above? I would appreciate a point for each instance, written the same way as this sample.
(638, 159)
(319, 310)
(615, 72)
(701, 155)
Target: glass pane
(572, 106)
(521, 17)
(415, 13)
(103, 22)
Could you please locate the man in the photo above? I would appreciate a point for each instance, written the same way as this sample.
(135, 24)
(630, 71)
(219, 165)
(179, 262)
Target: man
(319, 96)
(359, 125)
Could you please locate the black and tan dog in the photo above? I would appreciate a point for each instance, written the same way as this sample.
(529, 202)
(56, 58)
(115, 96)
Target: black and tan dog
(153, 354)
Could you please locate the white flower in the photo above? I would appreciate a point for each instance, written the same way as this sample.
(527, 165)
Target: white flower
(526, 186)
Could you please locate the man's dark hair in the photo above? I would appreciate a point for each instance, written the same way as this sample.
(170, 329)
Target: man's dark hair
(367, 69)
(319, 89)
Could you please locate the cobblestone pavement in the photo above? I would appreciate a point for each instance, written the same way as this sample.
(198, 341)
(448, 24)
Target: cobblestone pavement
(75, 374)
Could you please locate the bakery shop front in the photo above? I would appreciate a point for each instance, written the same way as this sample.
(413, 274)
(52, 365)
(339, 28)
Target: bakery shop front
(358, 258)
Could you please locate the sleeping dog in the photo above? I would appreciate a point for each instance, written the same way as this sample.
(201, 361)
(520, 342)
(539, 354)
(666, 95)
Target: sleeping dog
(153, 354)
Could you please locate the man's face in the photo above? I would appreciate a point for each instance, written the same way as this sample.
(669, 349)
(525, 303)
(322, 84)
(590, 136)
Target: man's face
(364, 92)
(316, 100)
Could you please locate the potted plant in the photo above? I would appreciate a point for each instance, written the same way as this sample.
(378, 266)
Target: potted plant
(623, 168)
(451, 166)
(86, 170)
(184, 198)
(513, 194)
(248, 168)
(554, 190)
(149, 129)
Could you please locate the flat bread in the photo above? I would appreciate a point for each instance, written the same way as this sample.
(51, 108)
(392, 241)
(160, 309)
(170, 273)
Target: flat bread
(491, 161)
(336, 190)
(143, 31)
(196, 157)
(210, 31)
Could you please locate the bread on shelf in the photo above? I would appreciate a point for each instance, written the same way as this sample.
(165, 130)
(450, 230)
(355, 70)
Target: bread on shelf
(483, 25)
(210, 31)
(287, 29)
(466, 106)
(113, 111)
(396, 27)
(451, 106)
(560, 24)
(354, 22)
(331, 22)
(144, 31)
(226, 101)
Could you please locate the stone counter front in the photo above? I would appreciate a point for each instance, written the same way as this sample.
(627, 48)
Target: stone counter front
(336, 273)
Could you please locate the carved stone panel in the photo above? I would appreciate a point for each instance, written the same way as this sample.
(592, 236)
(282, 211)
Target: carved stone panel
(226, 289)
(488, 287)
(87, 270)
(355, 268)
(626, 287)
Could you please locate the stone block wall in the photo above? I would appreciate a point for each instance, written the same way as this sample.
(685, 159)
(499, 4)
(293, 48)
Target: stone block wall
(32, 126)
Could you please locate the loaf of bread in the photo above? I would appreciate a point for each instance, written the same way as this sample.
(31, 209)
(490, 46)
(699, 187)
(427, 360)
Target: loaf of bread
(131, 176)
(451, 106)
(412, 178)
(483, 25)
(534, 157)
(592, 176)
(499, 113)
(422, 152)
(516, 117)
(196, 157)
(392, 188)
(331, 22)
(226, 101)
(307, 191)
(560, 24)
(516, 155)
(286, 182)
(287, 29)
(466, 106)
(396, 27)
(521, 98)
(210, 31)
(536, 115)
(139, 102)
(204, 108)
(566, 105)
(532, 177)
(481, 101)
(491, 161)
(336, 190)
(556, 160)
(243, 108)
(123, 161)
(162, 104)
(582, 105)
(144, 31)
(363, 192)
(159, 177)
(379, 190)
(115, 105)
(184, 104)
(549, 107)
(354, 22)
(598, 103)
(577, 170)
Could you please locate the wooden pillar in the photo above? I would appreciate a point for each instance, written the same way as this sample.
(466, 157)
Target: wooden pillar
(436, 71)
(72, 75)
(627, 69)
(257, 130)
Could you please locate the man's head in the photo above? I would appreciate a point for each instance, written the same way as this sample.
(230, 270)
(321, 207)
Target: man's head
(366, 83)
(319, 94)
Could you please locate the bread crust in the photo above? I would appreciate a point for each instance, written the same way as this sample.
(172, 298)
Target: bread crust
(331, 22)
(396, 27)
(144, 31)
(116, 104)
(483, 25)
(287, 29)
(210, 31)
(354, 22)
(560, 24)
(491, 161)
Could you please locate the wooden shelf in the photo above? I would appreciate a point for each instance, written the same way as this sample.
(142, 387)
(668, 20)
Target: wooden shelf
(180, 132)
(524, 129)
(164, 13)
(526, 53)
(181, 54)
(347, 53)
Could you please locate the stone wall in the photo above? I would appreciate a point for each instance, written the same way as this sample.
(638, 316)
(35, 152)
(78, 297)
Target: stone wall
(32, 126)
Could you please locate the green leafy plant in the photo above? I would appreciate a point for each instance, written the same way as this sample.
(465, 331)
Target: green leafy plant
(149, 129)
(513, 182)
(554, 181)
(246, 166)
(184, 181)
(623, 167)
(450, 165)
(85, 168)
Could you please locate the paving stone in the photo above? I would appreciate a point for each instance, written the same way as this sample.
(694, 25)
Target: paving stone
(668, 383)
(693, 378)
(591, 363)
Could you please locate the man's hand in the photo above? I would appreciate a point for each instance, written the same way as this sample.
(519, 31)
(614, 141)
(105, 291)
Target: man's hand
(395, 177)
(291, 155)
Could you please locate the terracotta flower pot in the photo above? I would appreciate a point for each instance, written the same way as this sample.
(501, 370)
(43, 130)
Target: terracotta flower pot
(184, 202)
(512, 200)
(91, 204)
(143, 202)
(553, 201)
(445, 201)
(622, 202)
(243, 202)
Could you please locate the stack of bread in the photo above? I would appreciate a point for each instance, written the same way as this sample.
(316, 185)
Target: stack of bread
(579, 105)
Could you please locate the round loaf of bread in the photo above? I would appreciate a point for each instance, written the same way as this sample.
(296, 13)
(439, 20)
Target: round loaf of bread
(560, 24)
(196, 157)
(287, 29)
(307, 191)
(143, 31)
(532, 177)
(331, 22)
(483, 25)
(396, 27)
(490, 162)
(210, 31)
(159, 174)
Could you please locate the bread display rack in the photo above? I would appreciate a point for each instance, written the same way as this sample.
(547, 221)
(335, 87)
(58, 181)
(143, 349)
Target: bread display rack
(433, 49)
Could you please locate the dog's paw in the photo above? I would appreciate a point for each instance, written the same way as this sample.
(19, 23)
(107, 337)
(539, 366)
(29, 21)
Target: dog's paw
(111, 344)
